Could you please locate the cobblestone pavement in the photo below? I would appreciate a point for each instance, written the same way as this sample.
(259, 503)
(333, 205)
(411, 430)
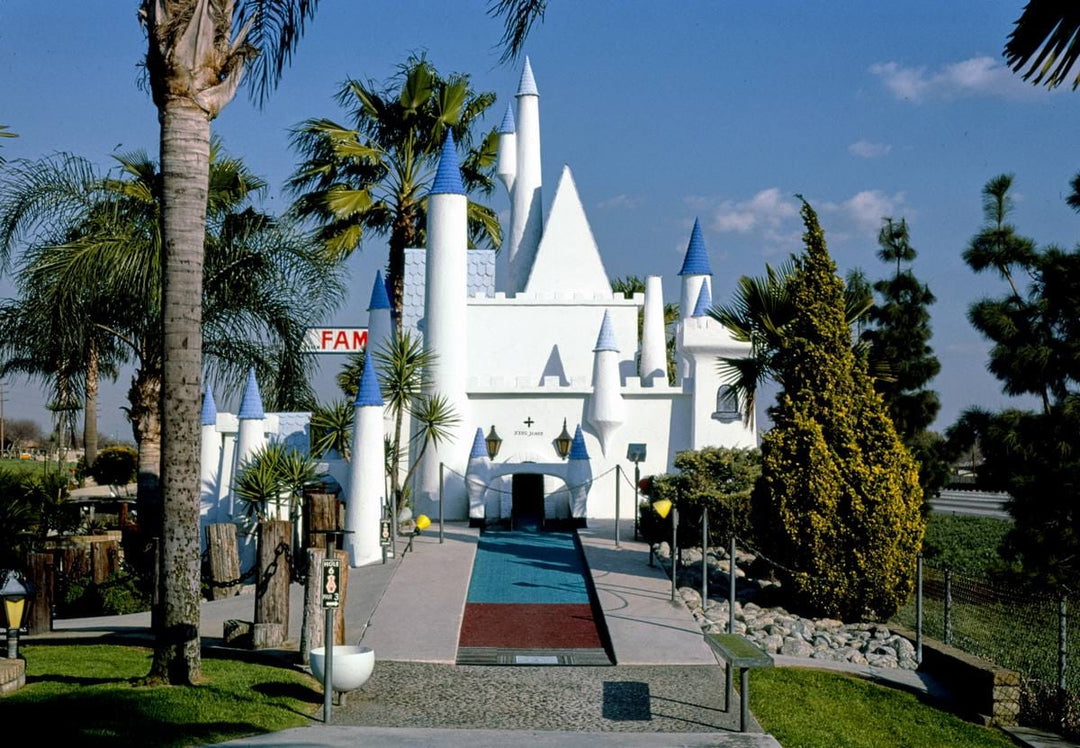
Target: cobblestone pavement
(591, 699)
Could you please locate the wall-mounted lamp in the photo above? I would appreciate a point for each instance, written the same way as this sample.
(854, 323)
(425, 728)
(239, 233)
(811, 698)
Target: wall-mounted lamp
(493, 443)
(563, 442)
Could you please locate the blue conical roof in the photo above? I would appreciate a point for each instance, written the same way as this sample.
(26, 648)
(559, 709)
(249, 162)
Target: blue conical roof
(704, 301)
(379, 298)
(696, 261)
(368, 392)
(209, 408)
(448, 177)
(606, 339)
(577, 448)
(508, 126)
(251, 403)
(527, 86)
(479, 446)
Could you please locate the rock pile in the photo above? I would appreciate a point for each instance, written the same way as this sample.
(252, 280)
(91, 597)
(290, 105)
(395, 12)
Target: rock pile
(773, 628)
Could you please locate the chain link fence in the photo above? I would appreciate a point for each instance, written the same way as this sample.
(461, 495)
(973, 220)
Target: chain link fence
(1036, 636)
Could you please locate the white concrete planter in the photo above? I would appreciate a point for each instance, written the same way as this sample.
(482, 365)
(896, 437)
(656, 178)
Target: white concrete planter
(351, 668)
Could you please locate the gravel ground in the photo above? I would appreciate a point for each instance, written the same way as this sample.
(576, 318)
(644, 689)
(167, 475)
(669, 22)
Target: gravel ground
(595, 699)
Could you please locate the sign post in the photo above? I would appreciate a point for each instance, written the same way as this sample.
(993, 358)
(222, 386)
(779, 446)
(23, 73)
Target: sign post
(331, 599)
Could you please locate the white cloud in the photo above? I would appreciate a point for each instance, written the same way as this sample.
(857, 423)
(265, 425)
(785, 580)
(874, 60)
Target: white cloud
(766, 209)
(866, 149)
(619, 201)
(977, 76)
(864, 210)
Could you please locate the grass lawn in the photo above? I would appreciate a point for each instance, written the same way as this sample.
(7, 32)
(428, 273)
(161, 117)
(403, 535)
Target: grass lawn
(85, 695)
(34, 467)
(805, 708)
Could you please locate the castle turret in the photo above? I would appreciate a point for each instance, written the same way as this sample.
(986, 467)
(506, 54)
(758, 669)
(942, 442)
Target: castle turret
(653, 363)
(251, 435)
(250, 438)
(606, 411)
(209, 461)
(476, 476)
(578, 476)
(506, 166)
(380, 323)
(695, 274)
(526, 211)
(363, 506)
(704, 301)
(695, 271)
(445, 336)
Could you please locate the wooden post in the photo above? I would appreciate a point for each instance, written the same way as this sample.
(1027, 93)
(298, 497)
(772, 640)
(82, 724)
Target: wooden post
(322, 509)
(42, 576)
(272, 585)
(312, 632)
(104, 559)
(224, 558)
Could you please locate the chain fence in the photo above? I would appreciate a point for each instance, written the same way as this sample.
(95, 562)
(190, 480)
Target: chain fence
(1037, 636)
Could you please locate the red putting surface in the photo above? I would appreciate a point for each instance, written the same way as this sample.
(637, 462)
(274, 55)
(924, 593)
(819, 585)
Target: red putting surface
(529, 626)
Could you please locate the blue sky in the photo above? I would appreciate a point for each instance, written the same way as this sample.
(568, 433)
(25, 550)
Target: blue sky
(664, 111)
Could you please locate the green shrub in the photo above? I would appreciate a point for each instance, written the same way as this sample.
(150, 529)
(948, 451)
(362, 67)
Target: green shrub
(717, 478)
(838, 503)
(115, 466)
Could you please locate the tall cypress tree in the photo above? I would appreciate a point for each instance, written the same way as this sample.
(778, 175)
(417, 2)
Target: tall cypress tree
(838, 506)
(899, 335)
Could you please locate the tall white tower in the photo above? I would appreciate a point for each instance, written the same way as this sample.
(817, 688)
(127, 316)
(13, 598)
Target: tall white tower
(526, 211)
(445, 335)
(653, 364)
(363, 508)
(380, 323)
(209, 459)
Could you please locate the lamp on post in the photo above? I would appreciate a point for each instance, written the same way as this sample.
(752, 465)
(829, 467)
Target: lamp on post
(563, 442)
(493, 442)
(635, 452)
(14, 592)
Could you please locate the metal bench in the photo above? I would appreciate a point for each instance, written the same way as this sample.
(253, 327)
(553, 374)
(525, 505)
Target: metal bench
(737, 652)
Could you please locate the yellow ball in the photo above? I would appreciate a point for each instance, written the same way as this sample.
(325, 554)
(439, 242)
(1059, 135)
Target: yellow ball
(423, 522)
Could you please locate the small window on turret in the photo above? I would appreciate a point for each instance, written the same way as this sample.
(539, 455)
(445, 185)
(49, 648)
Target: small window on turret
(727, 405)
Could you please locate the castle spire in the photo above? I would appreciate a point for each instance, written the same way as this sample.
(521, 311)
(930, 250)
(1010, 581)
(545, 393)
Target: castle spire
(606, 409)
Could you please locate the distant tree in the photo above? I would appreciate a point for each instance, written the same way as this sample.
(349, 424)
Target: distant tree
(22, 432)
(838, 504)
(899, 334)
(372, 176)
(1035, 334)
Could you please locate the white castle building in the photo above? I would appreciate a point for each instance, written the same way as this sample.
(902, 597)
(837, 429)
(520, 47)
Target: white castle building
(525, 341)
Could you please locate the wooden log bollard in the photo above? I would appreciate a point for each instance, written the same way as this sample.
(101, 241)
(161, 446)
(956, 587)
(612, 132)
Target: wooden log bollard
(224, 558)
(272, 584)
(322, 515)
(43, 578)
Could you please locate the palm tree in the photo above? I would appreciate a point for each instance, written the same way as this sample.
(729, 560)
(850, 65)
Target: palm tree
(1047, 35)
(264, 283)
(197, 53)
(373, 177)
(4, 133)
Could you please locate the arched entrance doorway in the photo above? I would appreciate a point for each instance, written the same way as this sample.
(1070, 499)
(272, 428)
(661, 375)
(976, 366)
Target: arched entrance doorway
(527, 501)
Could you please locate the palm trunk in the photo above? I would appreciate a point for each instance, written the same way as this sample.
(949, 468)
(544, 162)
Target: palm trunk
(185, 164)
(90, 430)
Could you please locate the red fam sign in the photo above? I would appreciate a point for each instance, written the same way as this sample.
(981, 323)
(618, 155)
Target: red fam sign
(336, 339)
